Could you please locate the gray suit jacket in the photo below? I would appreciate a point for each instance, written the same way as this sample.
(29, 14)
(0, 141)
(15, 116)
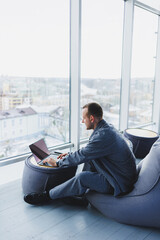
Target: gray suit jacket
(111, 156)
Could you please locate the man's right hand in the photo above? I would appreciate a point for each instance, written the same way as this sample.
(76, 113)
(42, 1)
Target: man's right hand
(62, 155)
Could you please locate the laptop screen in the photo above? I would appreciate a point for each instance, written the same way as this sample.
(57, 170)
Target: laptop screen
(39, 150)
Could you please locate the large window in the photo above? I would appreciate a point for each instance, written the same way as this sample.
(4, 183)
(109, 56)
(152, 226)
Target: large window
(34, 73)
(102, 28)
(143, 67)
(37, 54)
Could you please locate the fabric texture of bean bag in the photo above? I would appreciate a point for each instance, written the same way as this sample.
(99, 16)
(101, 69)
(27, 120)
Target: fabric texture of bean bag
(38, 178)
(142, 140)
(140, 207)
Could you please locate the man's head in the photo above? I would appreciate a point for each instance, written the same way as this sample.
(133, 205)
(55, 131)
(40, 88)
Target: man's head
(92, 113)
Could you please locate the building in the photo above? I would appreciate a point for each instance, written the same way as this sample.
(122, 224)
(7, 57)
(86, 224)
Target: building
(18, 123)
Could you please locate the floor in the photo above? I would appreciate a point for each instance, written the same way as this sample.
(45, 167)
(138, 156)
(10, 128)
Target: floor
(57, 221)
(11, 172)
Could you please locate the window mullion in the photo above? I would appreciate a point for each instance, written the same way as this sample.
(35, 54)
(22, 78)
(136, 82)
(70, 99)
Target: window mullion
(126, 62)
(156, 102)
(75, 72)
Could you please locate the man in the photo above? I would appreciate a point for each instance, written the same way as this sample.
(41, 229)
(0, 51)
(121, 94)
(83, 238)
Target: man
(109, 162)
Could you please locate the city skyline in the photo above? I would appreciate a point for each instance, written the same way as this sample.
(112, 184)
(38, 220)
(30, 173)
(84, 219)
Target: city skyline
(49, 98)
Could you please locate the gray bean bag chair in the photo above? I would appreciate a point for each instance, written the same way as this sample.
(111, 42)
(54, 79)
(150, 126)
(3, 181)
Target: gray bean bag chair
(140, 207)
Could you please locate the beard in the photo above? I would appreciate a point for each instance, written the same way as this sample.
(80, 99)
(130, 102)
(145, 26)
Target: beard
(91, 126)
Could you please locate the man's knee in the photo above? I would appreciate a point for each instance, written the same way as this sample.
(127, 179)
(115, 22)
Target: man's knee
(83, 177)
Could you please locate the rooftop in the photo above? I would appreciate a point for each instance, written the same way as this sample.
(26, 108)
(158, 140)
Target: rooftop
(16, 112)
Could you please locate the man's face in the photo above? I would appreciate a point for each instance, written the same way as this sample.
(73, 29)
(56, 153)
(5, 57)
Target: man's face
(87, 120)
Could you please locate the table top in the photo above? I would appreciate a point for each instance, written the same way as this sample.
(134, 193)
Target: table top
(141, 132)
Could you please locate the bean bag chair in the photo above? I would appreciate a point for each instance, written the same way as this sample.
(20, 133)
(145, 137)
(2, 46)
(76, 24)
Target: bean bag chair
(140, 207)
(38, 178)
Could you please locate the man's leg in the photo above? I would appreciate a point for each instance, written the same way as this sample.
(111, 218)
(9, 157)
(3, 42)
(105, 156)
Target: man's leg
(79, 184)
(75, 186)
(88, 166)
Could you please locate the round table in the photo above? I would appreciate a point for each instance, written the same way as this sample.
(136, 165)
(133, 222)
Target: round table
(38, 178)
(142, 140)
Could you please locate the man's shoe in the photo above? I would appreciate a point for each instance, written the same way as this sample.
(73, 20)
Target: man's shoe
(37, 198)
(76, 201)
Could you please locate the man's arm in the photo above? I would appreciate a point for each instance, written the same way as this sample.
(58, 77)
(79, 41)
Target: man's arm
(96, 148)
(54, 162)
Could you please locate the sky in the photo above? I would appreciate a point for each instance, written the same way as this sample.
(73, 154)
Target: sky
(35, 39)
(144, 43)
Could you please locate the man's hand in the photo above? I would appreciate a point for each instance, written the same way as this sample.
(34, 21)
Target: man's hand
(62, 155)
(51, 161)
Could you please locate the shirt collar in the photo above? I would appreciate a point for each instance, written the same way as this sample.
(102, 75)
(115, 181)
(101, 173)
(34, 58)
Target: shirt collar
(100, 124)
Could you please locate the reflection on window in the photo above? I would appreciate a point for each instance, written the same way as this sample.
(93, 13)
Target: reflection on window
(34, 73)
(102, 27)
(143, 67)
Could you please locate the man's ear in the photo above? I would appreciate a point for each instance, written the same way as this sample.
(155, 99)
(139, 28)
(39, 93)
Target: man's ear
(91, 118)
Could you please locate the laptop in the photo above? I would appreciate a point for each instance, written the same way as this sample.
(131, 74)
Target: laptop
(40, 152)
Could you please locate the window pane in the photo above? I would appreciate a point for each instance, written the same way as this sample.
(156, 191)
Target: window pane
(152, 3)
(34, 73)
(143, 67)
(102, 28)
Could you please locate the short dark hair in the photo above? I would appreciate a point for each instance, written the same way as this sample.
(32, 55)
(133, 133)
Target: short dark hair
(94, 109)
